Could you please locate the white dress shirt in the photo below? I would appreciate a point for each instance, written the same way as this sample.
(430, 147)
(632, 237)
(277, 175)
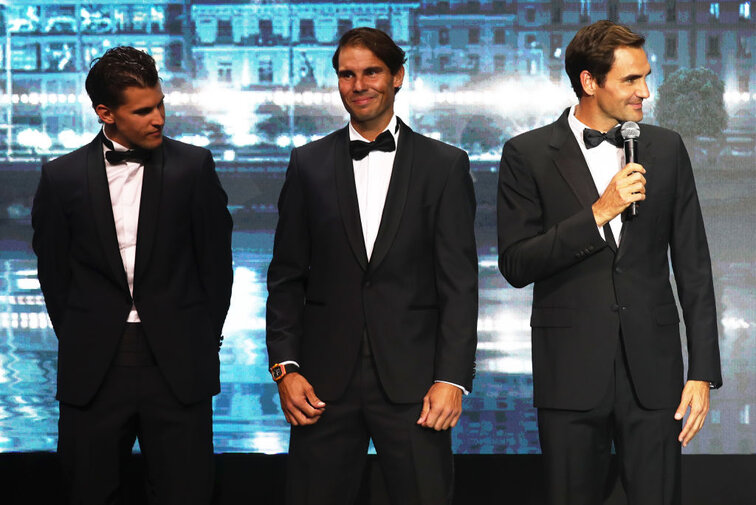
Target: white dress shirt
(604, 161)
(125, 184)
(372, 175)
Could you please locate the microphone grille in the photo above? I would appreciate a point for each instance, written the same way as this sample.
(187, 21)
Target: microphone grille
(630, 130)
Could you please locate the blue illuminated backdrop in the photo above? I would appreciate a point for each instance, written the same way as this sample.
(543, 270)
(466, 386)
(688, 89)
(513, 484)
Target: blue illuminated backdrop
(251, 79)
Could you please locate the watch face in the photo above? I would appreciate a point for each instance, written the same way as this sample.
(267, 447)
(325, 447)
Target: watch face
(276, 372)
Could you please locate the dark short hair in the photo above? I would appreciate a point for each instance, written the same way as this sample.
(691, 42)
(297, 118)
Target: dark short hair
(592, 49)
(377, 41)
(119, 68)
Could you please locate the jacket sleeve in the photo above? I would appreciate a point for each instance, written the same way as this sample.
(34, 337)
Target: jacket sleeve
(528, 250)
(689, 252)
(456, 266)
(288, 271)
(212, 227)
(51, 242)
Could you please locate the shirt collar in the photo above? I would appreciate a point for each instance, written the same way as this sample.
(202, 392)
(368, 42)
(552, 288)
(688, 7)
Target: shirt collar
(392, 127)
(116, 145)
(577, 128)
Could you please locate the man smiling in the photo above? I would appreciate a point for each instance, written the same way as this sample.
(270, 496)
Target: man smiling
(372, 306)
(607, 363)
(133, 241)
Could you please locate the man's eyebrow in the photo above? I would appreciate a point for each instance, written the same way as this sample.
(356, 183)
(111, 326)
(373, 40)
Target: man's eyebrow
(150, 107)
(632, 77)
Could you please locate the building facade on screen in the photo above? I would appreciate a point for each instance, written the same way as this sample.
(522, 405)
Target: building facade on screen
(247, 45)
(285, 45)
(48, 45)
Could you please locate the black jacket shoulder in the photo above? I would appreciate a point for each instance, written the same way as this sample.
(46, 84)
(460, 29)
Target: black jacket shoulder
(173, 147)
(318, 147)
(540, 135)
(432, 147)
(64, 162)
(659, 133)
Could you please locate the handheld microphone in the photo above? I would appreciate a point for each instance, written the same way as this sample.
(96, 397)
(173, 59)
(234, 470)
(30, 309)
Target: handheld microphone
(630, 132)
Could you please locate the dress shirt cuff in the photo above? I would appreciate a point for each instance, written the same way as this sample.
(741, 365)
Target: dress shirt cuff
(290, 362)
(464, 391)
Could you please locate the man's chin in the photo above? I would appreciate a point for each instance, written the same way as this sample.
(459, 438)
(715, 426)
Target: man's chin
(152, 143)
(634, 115)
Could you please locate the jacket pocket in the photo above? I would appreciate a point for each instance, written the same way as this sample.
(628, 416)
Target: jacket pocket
(665, 314)
(552, 317)
(423, 307)
(191, 303)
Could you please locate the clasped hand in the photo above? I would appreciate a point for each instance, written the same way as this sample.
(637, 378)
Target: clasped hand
(442, 406)
(299, 403)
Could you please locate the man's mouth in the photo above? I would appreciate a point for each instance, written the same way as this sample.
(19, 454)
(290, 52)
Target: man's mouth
(363, 100)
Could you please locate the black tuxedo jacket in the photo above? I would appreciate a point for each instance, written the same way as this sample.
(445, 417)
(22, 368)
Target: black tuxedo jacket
(586, 292)
(417, 296)
(183, 273)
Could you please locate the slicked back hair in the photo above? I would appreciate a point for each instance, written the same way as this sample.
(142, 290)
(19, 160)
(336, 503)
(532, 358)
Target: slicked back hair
(592, 49)
(119, 68)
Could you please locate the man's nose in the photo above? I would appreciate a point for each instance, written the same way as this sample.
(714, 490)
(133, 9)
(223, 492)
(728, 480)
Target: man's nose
(158, 117)
(642, 90)
(359, 83)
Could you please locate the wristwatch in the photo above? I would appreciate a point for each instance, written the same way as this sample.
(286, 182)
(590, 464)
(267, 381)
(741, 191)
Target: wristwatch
(278, 371)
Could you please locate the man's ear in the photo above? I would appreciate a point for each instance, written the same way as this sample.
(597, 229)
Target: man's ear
(399, 77)
(588, 82)
(105, 114)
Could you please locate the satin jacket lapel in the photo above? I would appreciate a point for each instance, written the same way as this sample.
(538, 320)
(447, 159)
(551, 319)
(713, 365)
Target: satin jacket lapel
(102, 210)
(646, 157)
(396, 196)
(149, 206)
(346, 193)
(570, 162)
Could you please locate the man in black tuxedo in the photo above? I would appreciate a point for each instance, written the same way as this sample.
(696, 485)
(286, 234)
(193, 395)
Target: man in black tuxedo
(607, 361)
(372, 306)
(133, 241)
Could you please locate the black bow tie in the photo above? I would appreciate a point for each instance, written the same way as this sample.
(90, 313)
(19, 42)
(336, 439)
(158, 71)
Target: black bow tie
(384, 142)
(593, 138)
(117, 157)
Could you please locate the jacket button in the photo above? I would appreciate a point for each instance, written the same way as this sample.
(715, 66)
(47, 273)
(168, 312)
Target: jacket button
(618, 270)
(366, 284)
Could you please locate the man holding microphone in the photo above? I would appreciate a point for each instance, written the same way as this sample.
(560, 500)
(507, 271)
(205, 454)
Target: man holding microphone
(607, 361)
